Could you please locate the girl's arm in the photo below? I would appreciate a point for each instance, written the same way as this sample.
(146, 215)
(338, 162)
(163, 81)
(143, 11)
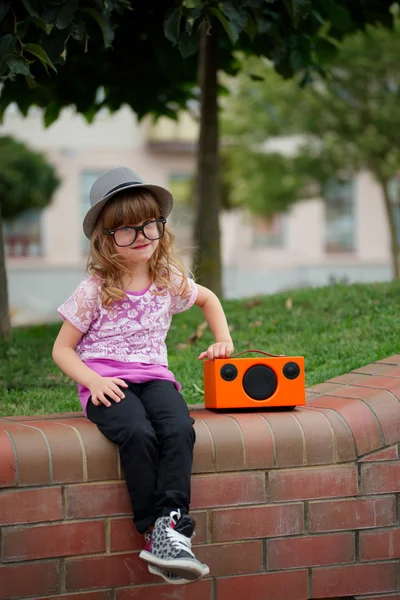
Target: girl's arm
(66, 358)
(215, 317)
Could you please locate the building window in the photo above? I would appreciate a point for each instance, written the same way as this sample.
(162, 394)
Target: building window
(268, 233)
(22, 236)
(394, 193)
(340, 218)
(87, 180)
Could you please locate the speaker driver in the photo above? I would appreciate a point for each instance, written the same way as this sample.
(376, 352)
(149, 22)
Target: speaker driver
(260, 382)
(229, 372)
(291, 370)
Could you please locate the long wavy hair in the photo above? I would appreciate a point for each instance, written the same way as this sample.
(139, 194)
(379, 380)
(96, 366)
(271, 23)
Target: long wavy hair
(131, 207)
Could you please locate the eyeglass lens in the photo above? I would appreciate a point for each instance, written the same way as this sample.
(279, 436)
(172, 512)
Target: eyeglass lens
(153, 230)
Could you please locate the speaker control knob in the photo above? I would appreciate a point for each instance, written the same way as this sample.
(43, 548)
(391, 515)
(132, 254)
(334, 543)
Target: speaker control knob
(291, 370)
(229, 372)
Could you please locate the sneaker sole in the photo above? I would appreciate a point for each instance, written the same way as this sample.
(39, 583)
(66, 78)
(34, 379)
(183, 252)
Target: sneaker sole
(185, 568)
(160, 573)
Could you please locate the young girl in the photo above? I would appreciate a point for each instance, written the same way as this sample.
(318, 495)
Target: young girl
(112, 343)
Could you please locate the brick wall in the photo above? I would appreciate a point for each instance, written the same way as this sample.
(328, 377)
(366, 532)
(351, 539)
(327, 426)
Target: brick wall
(289, 506)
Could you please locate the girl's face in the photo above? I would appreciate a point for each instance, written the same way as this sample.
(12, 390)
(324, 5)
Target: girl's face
(141, 248)
(129, 211)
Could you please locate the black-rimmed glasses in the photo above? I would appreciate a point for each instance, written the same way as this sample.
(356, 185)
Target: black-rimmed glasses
(126, 236)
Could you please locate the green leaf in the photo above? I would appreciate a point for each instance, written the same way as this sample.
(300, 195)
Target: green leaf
(66, 13)
(191, 3)
(187, 44)
(106, 30)
(338, 15)
(172, 25)
(297, 9)
(4, 8)
(51, 114)
(7, 44)
(32, 7)
(232, 34)
(41, 54)
(17, 65)
(251, 27)
(325, 50)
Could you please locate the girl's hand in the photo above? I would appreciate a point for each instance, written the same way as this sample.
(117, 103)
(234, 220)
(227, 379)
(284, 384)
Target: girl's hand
(100, 386)
(217, 350)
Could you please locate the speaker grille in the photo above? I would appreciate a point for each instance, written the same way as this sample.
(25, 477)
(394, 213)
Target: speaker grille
(229, 372)
(260, 382)
(291, 370)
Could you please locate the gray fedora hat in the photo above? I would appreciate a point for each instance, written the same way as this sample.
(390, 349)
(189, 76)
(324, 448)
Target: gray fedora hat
(114, 181)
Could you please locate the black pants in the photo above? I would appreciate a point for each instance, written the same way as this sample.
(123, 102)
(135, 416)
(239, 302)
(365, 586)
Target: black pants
(154, 431)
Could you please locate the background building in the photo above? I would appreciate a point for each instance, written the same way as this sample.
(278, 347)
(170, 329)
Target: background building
(345, 237)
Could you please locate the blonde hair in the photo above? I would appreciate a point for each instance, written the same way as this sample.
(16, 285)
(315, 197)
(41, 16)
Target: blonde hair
(132, 206)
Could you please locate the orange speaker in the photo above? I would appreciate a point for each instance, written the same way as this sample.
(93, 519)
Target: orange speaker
(267, 382)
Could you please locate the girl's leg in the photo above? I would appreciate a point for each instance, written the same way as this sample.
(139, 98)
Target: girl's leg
(173, 425)
(127, 424)
(170, 548)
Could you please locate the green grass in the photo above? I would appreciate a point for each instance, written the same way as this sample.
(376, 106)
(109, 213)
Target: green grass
(337, 329)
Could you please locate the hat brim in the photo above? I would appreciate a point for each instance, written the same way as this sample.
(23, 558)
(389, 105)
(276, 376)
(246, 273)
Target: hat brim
(163, 197)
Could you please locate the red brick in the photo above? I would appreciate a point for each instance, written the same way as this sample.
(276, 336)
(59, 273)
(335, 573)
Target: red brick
(354, 513)
(380, 382)
(232, 559)
(113, 570)
(32, 454)
(303, 484)
(309, 551)
(258, 440)
(360, 418)
(258, 522)
(290, 448)
(7, 463)
(319, 437)
(31, 579)
(227, 441)
(30, 506)
(203, 458)
(101, 455)
(228, 490)
(391, 453)
(380, 597)
(380, 545)
(202, 590)
(266, 586)
(328, 582)
(386, 408)
(49, 541)
(380, 478)
(97, 500)
(106, 595)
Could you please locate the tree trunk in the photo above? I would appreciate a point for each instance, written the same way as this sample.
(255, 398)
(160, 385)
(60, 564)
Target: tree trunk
(5, 324)
(394, 246)
(207, 257)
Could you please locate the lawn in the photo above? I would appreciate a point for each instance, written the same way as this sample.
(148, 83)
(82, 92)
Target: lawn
(336, 328)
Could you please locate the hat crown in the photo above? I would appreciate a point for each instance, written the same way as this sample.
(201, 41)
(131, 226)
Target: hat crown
(110, 180)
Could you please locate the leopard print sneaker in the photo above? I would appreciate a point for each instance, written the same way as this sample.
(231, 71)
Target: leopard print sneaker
(170, 547)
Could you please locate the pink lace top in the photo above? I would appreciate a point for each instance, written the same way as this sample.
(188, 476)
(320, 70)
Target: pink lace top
(131, 332)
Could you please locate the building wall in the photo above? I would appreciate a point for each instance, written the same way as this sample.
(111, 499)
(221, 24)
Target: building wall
(155, 153)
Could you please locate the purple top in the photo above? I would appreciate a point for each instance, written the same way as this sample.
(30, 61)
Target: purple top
(126, 340)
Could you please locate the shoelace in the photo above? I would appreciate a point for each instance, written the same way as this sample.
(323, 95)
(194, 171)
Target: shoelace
(179, 541)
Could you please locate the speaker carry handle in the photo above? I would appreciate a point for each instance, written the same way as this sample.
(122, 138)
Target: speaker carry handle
(259, 351)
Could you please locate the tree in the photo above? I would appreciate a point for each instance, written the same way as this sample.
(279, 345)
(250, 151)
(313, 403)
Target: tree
(349, 120)
(27, 181)
(96, 45)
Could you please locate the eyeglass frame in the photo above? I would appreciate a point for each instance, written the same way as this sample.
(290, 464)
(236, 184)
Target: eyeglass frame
(136, 229)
